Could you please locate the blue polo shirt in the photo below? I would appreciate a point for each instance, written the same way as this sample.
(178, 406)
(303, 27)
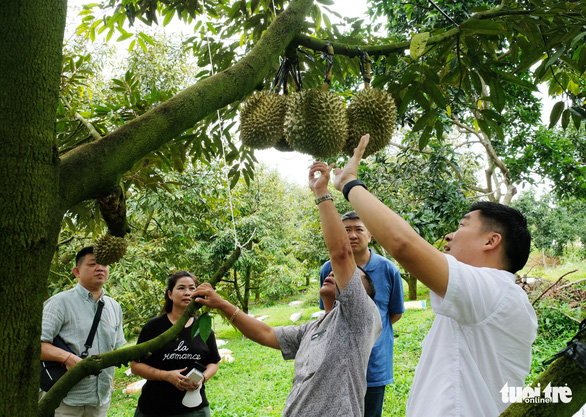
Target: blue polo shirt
(389, 300)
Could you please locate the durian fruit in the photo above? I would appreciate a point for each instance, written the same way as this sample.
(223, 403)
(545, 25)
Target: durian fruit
(66, 257)
(316, 123)
(373, 111)
(261, 120)
(283, 145)
(109, 249)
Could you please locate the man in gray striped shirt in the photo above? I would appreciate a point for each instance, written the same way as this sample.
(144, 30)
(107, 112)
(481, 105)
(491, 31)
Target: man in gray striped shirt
(69, 315)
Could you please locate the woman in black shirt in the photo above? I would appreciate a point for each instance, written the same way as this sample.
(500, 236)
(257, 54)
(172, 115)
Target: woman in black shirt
(165, 370)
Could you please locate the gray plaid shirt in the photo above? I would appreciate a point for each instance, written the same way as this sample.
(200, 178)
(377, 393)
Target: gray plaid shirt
(70, 314)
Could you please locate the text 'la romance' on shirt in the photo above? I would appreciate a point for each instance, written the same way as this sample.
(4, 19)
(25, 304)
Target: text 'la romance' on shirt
(160, 398)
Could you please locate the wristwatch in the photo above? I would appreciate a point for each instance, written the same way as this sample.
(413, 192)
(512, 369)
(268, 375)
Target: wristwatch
(323, 198)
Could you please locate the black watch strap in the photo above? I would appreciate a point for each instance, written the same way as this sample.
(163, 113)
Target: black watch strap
(350, 185)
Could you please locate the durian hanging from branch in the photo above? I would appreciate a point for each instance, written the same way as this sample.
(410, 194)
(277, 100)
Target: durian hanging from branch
(372, 111)
(316, 122)
(263, 113)
(111, 247)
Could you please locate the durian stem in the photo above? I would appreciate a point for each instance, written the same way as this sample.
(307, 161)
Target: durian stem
(367, 69)
(330, 66)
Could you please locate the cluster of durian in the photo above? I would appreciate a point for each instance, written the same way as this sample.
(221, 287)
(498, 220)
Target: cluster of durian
(316, 122)
(109, 249)
(372, 111)
(261, 120)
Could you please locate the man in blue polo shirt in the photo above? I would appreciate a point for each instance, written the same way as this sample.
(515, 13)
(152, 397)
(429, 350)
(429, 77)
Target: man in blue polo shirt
(388, 299)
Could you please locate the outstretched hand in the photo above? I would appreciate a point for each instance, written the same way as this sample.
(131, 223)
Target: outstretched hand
(350, 171)
(205, 295)
(319, 184)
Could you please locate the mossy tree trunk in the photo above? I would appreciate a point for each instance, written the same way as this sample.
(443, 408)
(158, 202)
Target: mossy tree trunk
(37, 187)
(31, 36)
(564, 372)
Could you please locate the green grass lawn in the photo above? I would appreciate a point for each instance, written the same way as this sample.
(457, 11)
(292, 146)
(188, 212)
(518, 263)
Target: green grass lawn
(258, 381)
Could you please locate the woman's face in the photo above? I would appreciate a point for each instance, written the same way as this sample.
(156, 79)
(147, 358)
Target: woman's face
(180, 295)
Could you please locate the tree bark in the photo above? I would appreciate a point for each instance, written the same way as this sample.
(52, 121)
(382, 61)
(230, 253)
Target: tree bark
(564, 372)
(412, 283)
(31, 37)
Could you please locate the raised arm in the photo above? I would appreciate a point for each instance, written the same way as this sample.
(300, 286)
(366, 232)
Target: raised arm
(414, 253)
(250, 327)
(335, 236)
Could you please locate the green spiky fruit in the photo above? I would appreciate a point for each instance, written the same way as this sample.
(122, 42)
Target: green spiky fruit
(316, 123)
(283, 146)
(373, 111)
(261, 120)
(66, 257)
(109, 249)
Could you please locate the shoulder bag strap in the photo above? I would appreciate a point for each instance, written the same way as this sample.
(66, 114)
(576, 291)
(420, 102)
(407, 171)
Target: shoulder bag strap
(90, 336)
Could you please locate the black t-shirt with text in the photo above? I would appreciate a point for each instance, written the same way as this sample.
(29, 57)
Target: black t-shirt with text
(160, 398)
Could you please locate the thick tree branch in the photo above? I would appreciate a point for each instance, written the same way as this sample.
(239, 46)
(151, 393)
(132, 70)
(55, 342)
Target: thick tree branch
(217, 277)
(93, 169)
(93, 364)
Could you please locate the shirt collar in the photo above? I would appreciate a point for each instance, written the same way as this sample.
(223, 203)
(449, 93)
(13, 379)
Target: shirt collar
(88, 295)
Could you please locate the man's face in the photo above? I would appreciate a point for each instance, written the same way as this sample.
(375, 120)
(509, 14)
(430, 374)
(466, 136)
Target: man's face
(91, 275)
(466, 243)
(358, 233)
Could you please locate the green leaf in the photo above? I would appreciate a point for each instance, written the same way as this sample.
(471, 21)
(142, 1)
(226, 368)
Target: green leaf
(124, 36)
(146, 38)
(202, 327)
(142, 44)
(565, 118)
(508, 77)
(497, 95)
(418, 44)
(556, 113)
(169, 16)
(431, 89)
(424, 120)
(424, 138)
(483, 27)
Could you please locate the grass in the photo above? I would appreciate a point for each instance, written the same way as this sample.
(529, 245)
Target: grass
(258, 381)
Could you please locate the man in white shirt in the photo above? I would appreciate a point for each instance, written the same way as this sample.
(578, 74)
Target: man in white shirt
(481, 338)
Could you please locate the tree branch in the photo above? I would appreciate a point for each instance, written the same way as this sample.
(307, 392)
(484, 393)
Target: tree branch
(92, 130)
(93, 169)
(551, 286)
(93, 364)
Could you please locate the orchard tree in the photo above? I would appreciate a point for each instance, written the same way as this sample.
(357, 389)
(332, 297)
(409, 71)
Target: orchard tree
(444, 76)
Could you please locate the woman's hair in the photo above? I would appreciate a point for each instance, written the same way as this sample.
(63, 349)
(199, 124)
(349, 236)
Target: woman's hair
(171, 282)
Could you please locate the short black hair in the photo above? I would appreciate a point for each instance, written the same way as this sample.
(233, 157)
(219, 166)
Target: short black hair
(351, 215)
(82, 253)
(512, 226)
(370, 290)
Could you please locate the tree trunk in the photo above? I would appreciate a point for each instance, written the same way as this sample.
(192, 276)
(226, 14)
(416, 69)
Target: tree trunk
(562, 373)
(412, 283)
(31, 37)
(246, 297)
